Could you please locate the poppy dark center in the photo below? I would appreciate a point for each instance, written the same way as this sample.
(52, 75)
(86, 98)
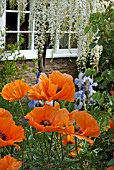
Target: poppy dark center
(69, 142)
(58, 89)
(3, 136)
(45, 123)
(78, 131)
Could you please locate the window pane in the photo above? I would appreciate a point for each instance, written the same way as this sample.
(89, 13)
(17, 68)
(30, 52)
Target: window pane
(10, 39)
(25, 24)
(11, 21)
(73, 41)
(27, 41)
(63, 43)
(67, 41)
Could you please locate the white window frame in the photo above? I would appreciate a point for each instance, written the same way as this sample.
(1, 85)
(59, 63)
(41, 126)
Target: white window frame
(32, 53)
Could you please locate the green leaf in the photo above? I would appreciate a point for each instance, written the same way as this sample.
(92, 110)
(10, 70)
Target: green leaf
(88, 72)
(101, 100)
(86, 30)
(92, 45)
(94, 16)
(111, 162)
(98, 79)
(96, 95)
(104, 84)
(101, 40)
(94, 29)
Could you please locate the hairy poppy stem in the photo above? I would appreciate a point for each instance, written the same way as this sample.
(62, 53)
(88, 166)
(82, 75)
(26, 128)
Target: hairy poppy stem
(23, 146)
(21, 107)
(50, 145)
(23, 143)
(61, 147)
(46, 147)
(76, 149)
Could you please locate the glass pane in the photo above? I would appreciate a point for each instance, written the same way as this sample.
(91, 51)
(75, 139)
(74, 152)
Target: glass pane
(25, 38)
(67, 40)
(28, 7)
(11, 21)
(73, 41)
(25, 24)
(10, 39)
(63, 43)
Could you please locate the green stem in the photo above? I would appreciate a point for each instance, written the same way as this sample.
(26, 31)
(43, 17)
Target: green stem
(42, 150)
(62, 155)
(50, 145)
(21, 107)
(46, 147)
(23, 148)
(76, 149)
(23, 143)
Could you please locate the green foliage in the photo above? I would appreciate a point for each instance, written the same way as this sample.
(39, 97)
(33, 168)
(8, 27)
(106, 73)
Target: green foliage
(102, 25)
(105, 80)
(10, 70)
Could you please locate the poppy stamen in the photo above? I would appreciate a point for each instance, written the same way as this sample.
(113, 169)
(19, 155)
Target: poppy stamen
(45, 123)
(3, 136)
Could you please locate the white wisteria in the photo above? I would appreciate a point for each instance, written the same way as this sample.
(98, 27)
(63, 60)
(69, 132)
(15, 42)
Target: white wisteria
(54, 16)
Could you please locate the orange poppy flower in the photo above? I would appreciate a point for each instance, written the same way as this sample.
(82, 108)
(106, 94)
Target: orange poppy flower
(4, 113)
(14, 90)
(48, 118)
(9, 163)
(111, 168)
(10, 133)
(72, 153)
(57, 86)
(68, 140)
(111, 123)
(86, 125)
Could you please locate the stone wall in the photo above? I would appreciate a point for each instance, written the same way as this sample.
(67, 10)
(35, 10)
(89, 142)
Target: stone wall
(64, 65)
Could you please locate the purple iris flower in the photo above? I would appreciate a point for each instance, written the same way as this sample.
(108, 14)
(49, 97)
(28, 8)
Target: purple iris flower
(33, 103)
(80, 94)
(85, 86)
(78, 104)
(85, 83)
(37, 76)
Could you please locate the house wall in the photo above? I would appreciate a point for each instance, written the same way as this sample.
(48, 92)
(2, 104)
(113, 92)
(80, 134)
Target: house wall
(64, 65)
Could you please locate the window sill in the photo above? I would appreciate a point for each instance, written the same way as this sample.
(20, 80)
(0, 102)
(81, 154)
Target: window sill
(32, 54)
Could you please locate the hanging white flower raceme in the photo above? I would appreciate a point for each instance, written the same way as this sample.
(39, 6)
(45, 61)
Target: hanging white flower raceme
(55, 16)
(2, 7)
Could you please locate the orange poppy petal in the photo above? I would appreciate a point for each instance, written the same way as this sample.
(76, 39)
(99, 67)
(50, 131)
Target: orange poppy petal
(14, 90)
(48, 118)
(66, 85)
(60, 117)
(57, 86)
(111, 123)
(88, 125)
(9, 163)
(10, 133)
(5, 113)
(68, 140)
(90, 141)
